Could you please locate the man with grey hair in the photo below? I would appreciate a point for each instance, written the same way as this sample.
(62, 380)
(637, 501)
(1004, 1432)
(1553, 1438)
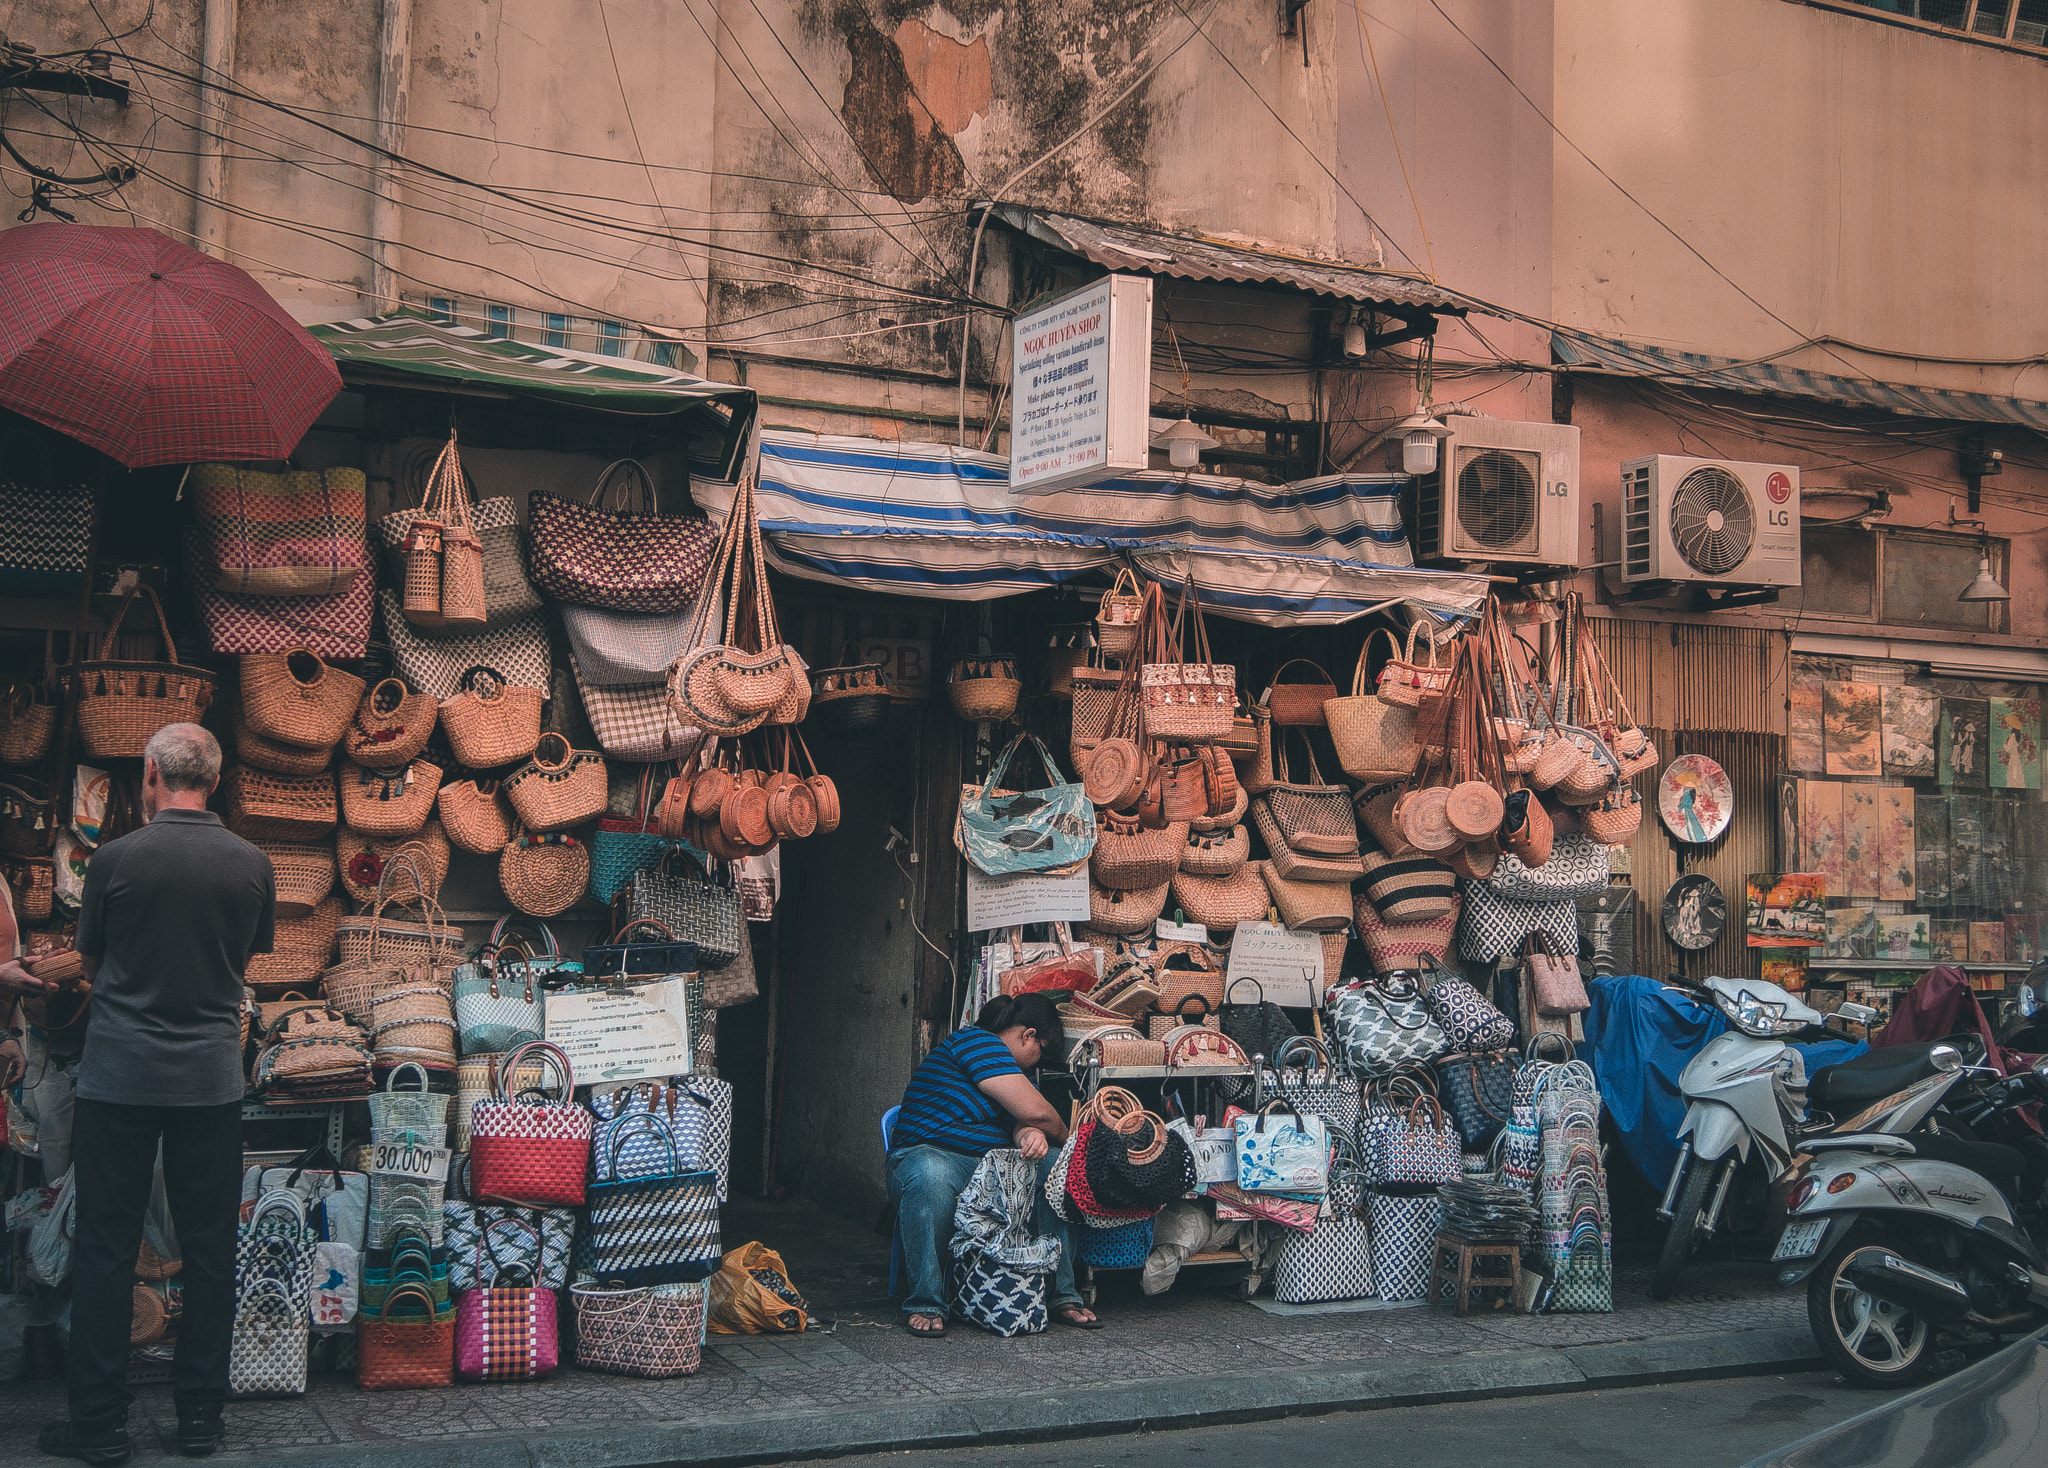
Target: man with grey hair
(171, 914)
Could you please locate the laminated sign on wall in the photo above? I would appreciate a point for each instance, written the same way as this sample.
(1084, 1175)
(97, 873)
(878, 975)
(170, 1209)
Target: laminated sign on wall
(623, 1032)
(1080, 386)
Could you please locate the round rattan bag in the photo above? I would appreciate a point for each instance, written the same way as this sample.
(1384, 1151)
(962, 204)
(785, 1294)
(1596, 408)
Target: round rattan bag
(544, 874)
(363, 861)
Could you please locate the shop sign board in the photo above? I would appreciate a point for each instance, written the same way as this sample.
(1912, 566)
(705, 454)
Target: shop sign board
(1287, 966)
(1081, 386)
(1026, 897)
(623, 1032)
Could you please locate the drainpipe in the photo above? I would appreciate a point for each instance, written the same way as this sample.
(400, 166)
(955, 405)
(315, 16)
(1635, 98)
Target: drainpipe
(217, 72)
(393, 74)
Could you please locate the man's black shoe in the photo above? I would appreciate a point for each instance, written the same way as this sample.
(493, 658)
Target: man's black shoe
(199, 1433)
(62, 1440)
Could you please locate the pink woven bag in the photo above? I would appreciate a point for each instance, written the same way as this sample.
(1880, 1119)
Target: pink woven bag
(506, 1334)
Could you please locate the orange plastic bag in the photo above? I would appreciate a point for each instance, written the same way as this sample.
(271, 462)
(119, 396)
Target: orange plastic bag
(752, 1294)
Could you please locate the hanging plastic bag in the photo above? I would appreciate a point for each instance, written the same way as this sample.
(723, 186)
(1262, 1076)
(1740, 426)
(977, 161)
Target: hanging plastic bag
(50, 1241)
(752, 1294)
(89, 803)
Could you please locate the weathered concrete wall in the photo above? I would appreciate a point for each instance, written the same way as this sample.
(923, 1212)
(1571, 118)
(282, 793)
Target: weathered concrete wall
(1861, 181)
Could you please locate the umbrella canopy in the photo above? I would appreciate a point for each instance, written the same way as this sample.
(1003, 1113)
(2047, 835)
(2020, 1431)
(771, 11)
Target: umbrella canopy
(150, 351)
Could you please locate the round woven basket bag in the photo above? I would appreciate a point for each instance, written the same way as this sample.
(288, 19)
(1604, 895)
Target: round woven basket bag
(363, 860)
(544, 874)
(391, 726)
(295, 698)
(476, 815)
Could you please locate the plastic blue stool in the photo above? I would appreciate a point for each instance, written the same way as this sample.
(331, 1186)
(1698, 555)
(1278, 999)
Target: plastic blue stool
(896, 1236)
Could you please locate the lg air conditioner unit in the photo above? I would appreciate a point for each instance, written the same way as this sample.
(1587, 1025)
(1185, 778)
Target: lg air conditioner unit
(1503, 492)
(1709, 521)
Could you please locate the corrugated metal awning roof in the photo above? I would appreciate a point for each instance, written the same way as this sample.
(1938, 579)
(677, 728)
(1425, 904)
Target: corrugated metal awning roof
(1153, 252)
(1592, 353)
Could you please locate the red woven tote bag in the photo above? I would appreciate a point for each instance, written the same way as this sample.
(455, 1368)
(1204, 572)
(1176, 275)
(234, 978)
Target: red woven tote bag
(532, 1152)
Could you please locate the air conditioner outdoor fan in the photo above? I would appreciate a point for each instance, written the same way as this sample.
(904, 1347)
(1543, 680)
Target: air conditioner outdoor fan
(1713, 523)
(1497, 498)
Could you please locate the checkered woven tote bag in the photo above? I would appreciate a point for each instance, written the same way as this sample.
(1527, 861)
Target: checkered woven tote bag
(698, 1111)
(486, 1240)
(505, 1326)
(532, 1152)
(654, 1332)
(298, 533)
(335, 627)
(267, 1349)
(656, 1227)
(623, 560)
(1404, 1227)
(1333, 1261)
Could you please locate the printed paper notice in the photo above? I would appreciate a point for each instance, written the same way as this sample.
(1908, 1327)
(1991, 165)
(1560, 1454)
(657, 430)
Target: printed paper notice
(1287, 966)
(1028, 897)
(627, 1033)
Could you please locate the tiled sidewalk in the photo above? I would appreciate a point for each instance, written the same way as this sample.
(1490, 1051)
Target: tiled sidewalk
(859, 1359)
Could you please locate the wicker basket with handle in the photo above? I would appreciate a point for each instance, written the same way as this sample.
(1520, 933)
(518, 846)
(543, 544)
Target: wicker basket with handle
(122, 704)
(294, 698)
(252, 748)
(560, 787)
(490, 722)
(300, 949)
(476, 815)
(388, 802)
(267, 807)
(391, 725)
(364, 860)
(27, 722)
(303, 874)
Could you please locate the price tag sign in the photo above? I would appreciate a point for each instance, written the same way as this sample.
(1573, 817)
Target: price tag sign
(410, 1160)
(624, 1032)
(1288, 966)
(1167, 932)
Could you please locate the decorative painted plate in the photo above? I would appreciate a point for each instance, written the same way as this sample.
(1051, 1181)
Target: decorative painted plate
(1694, 912)
(1695, 798)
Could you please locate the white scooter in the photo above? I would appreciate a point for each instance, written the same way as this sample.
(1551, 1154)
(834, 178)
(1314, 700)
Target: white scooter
(1747, 1092)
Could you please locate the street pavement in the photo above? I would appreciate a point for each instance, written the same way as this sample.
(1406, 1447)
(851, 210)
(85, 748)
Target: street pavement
(1698, 1424)
(858, 1383)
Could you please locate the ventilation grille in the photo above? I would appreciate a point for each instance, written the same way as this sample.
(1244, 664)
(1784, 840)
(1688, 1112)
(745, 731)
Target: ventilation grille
(1713, 521)
(1635, 522)
(1497, 491)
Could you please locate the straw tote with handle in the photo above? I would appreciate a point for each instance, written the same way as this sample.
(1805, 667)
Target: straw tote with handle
(294, 698)
(391, 726)
(121, 704)
(733, 686)
(1375, 738)
(444, 554)
(1187, 702)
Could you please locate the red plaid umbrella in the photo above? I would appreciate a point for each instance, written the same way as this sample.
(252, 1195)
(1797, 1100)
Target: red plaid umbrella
(150, 351)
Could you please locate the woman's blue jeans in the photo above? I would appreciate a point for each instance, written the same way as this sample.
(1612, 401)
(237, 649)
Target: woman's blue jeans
(926, 1183)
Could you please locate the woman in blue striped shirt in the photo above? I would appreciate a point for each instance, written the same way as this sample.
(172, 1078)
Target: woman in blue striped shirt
(968, 1098)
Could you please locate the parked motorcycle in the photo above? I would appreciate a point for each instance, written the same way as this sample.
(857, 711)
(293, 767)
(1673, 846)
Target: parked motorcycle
(1904, 1240)
(1748, 1096)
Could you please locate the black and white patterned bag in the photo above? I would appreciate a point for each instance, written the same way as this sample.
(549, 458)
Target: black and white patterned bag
(1493, 927)
(659, 1227)
(1469, 1020)
(1333, 1261)
(1382, 1025)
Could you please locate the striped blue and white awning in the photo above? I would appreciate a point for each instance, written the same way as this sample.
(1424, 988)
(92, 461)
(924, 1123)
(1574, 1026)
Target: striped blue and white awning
(1589, 353)
(923, 519)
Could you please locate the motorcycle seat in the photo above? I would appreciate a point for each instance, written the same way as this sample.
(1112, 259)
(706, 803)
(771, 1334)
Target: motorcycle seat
(1871, 1076)
(1993, 1160)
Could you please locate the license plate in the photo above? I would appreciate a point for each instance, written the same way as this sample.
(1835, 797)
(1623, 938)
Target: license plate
(1801, 1239)
(400, 1159)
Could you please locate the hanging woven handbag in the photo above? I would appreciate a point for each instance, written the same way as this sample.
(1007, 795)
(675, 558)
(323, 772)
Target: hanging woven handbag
(498, 1002)
(1409, 889)
(559, 787)
(1259, 1028)
(732, 686)
(655, 1332)
(1403, 681)
(294, 698)
(302, 875)
(436, 663)
(28, 719)
(1127, 857)
(1553, 978)
(1470, 1021)
(390, 726)
(1215, 853)
(1299, 705)
(654, 1227)
(252, 748)
(1095, 698)
(1221, 903)
(1419, 1147)
(1315, 821)
(532, 1152)
(363, 861)
(1374, 738)
(266, 807)
(1493, 927)
(850, 702)
(543, 873)
(508, 594)
(1381, 1025)
(476, 815)
(1126, 913)
(693, 905)
(295, 534)
(388, 803)
(491, 722)
(1116, 618)
(121, 704)
(1578, 867)
(1187, 702)
(1310, 907)
(1478, 1089)
(625, 559)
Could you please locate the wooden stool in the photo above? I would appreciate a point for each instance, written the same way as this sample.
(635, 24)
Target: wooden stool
(1453, 1268)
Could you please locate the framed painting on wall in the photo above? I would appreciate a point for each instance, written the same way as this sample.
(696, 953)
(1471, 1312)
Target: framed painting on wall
(1912, 722)
(1805, 744)
(2015, 743)
(1859, 842)
(1853, 714)
(1896, 853)
(1964, 732)
(1820, 833)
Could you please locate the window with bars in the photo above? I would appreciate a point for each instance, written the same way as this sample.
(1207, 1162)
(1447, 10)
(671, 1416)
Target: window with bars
(556, 333)
(2022, 22)
(498, 321)
(611, 338)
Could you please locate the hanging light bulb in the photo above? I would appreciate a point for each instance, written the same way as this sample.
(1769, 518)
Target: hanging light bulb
(1411, 443)
(1183, 443)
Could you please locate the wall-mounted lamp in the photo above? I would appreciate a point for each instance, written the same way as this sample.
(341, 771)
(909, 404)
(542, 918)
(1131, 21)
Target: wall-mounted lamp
(1354, 334)
(1183, 443)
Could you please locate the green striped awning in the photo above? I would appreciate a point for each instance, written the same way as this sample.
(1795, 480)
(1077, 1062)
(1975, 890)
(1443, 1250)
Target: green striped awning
(409, 351)
(1589, 353)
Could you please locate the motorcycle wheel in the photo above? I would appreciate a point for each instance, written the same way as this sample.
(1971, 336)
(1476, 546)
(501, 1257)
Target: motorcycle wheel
(1870, 1341)
(1688, 1228)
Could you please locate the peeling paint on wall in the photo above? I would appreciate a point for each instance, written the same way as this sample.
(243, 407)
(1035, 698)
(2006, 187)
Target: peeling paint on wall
(952, 81)
(906, 151)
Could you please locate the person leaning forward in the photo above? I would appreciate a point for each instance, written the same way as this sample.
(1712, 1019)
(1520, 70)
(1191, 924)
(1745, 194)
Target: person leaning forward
(968, 1098)
(171, 914)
